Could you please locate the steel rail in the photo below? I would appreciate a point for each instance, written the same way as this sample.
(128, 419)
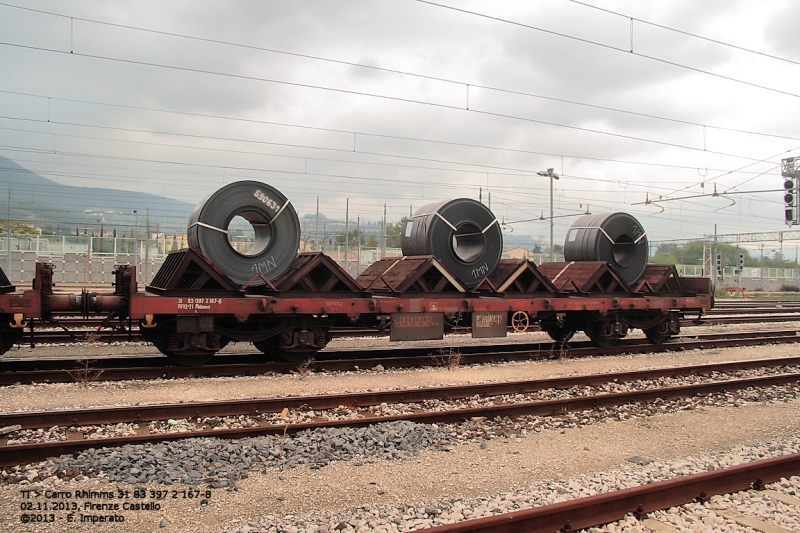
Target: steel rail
(390, 357)
(84, 332)
(752, 311)
(744, 319)
(609, 507)
(61, 363)
(15, 454)
(138, 413)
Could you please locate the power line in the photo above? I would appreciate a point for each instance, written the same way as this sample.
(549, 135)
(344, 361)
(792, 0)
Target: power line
(267, 154)
(332, 130)
(372, 95)
(608, 47)
(400, 72)
(683, 32)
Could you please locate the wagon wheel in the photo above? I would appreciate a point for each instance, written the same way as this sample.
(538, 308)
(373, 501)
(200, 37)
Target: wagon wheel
(170, 344)
(520, 321)
(270, 348)
(185, 357)
(6, 343)
(558, 332)
(655, 336)
(594, 332)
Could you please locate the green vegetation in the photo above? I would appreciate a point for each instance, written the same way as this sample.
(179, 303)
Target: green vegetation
(393, 233)
(19, 228)
(692, 254)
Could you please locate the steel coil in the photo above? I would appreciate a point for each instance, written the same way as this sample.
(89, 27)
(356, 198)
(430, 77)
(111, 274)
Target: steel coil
(275, 225)
(616, 238)
(463, 234)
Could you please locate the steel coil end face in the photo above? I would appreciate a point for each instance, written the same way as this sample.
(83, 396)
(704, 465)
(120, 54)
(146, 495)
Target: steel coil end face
(463, 234)
(616, 238)
(273, 224)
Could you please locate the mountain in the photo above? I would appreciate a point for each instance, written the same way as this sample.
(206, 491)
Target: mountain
(66, 209)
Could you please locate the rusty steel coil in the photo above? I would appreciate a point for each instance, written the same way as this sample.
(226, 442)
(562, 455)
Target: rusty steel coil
(616, 238)
(463, 234)
(273, 219)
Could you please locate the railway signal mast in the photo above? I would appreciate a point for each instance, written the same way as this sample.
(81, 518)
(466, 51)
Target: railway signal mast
(790, 170)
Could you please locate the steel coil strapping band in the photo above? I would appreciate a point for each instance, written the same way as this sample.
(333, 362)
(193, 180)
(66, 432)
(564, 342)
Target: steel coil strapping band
(571, 228)
(209, 226)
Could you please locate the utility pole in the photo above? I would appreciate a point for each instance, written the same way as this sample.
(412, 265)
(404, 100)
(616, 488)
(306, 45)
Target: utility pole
(316, 236)
(383, 234)
(552, 175)
(347, 236)
(147, 249)
(8, 235)
(136, 243)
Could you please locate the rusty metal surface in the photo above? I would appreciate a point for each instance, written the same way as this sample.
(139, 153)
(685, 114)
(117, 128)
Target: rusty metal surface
(423, 274)
(521, 276)
(612, 506)
(584, 277)
(120, 369)
(416, 326)
(5, 284)
(186, 271)
(78, 417)
(659, 278)
(27, 453)
(489, 325)
(316, 272)
(420, 285)
(696, 285)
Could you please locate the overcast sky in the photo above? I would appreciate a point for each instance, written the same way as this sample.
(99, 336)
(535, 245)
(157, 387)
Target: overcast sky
(406, 103)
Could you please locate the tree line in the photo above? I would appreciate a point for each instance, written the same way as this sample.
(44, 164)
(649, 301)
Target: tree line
(692, 254)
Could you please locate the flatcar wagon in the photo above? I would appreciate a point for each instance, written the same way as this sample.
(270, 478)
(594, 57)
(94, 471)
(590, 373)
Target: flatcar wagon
(193, 307)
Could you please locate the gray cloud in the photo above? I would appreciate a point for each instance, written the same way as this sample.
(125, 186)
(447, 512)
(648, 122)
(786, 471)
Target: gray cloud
(419, 38)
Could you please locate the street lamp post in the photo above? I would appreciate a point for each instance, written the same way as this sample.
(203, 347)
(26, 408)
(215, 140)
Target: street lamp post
(552, 175)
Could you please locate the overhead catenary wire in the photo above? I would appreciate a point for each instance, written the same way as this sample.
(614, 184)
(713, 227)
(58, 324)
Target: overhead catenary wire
(347, 132)
(608, 47)
(497, 170)
(690, 34)
(466, 84)
(371, 95)
(449, 162)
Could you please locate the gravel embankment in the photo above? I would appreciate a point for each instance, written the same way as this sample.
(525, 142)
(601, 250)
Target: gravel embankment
(396, 476)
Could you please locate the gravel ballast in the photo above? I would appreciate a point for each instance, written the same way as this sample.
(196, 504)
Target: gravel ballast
(314, 482)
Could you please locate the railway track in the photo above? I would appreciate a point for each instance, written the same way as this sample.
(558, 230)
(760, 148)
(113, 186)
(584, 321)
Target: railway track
(128, 368)
(639, 501)
(505, 399)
